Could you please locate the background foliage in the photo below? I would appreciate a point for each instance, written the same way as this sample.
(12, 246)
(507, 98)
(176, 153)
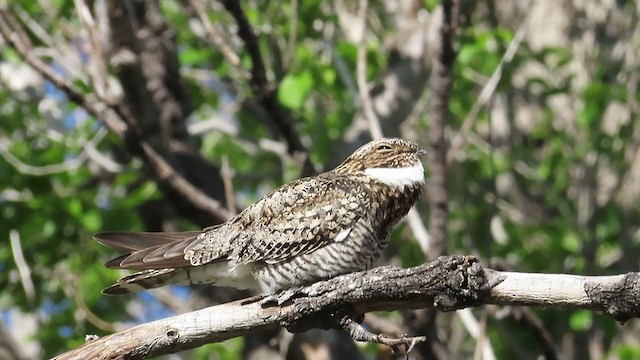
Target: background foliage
(543, 161)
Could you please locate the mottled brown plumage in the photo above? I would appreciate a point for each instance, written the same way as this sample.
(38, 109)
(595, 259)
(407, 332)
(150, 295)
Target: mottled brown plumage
(307, 230)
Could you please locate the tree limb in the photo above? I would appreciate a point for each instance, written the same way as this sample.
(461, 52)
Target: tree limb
(441, 85)
(449, 283)
(14, 35)
(192, 189)
(266, 92)
(361, 75)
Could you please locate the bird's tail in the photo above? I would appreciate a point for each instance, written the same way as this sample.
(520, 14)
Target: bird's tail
(147, 279)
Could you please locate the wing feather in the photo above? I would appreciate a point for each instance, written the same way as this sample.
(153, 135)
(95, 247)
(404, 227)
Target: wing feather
(296, 219)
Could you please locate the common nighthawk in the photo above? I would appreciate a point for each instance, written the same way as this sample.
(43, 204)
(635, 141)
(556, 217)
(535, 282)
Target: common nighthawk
(310, 229)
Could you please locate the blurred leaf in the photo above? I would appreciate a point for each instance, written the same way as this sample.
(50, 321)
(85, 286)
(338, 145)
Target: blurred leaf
(581, 320)
(294, 89)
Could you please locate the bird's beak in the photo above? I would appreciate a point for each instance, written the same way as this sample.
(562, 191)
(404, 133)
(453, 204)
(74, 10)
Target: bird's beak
(421, 152)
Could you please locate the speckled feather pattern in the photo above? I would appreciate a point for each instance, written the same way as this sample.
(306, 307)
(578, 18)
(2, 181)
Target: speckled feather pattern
(307, 230)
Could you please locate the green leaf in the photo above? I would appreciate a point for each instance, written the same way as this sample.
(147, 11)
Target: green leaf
(629, 351)
(294, 89)
(92, 221)
(194, 56)
(571, 242)
(581, 320)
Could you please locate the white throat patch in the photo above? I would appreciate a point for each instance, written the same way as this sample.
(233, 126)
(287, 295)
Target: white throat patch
(399, 177)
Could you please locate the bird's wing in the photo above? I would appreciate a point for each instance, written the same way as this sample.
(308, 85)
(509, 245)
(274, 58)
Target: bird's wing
(298, 218)
(148, 250)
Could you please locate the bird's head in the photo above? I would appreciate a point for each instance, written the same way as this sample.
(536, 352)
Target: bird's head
(393, 161)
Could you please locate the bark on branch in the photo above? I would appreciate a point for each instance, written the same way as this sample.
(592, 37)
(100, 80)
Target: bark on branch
(449, 283)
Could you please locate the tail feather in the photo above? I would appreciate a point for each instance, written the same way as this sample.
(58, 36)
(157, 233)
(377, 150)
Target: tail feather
(147, 251)
(147, 279)
(132, 241)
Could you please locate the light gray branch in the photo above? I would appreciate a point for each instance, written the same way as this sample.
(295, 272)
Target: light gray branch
(449, 283)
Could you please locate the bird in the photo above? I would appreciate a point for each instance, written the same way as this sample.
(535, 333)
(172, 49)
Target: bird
(307, 230)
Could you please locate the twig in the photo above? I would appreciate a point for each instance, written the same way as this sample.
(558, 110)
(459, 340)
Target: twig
(363, 89)
(345, 74)
(359, 333)
(216, 39)
(419, 231)
(473, 327)
(65, 166)
(98, 67)
(168, 173)
(486, 94)
(532, 323)
(111, 118)
(176, 304)
(383, 324)
(293, 33)
(266, 93)
(227, 179)
(259, 83)
(14, 37)
(23, 268)
(63, 54)
(89, 315)
(102, 160)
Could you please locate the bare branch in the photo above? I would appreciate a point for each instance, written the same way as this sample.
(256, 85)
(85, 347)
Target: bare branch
(449, 283)
(96, 60)
(167, 173)
(23, 268)
(293, 33)
(616, 295)
(359, 333)
(266, 92)
(14, 36)
(486, 94)
(528, 320)
(65, 55)
(363, 88)
(89, 315)
(227, 179)
(441, 83)
(475, 330)
(419, 230)
(216, 39)
(65, 166)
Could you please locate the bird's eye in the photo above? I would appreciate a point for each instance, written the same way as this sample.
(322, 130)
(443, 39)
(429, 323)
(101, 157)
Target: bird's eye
(384, 147)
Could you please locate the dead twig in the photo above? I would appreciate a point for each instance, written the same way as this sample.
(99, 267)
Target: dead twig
(359, 333)
(367, 105)
(485, 95)
(18, 40)
(23, 267)
(67, 165)
(216, 39)
(227, 179)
